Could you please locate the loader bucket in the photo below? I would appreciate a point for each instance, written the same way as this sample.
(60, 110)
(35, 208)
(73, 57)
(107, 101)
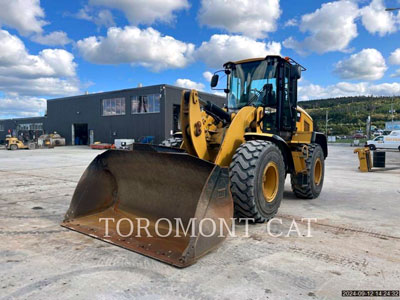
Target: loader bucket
(175, 196)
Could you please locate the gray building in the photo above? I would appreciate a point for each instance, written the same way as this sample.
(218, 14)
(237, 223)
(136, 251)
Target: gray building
(148, 113)
(27, 128)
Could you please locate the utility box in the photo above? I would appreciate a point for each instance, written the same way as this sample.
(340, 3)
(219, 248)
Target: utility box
(379, 159)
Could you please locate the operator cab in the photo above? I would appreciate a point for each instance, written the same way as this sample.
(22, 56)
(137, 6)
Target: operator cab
(270, 82)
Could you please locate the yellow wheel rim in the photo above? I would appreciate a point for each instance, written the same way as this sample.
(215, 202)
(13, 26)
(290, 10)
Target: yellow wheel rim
(270, 184)
(317, 171)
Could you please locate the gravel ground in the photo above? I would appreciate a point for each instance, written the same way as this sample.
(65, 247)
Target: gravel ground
(355, 241)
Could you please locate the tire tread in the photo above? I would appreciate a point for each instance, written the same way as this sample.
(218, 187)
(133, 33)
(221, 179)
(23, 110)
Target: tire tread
(242, 168)
(305, 191)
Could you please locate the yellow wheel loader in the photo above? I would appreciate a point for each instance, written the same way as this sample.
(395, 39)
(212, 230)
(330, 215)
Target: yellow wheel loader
(232, 162)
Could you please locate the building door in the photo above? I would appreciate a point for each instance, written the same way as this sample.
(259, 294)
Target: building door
(176, 118)
(81, 135)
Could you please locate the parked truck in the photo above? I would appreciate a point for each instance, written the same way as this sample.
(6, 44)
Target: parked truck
(391, 141)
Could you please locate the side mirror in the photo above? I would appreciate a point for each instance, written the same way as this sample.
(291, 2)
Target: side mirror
(296, 72)
(214, 80)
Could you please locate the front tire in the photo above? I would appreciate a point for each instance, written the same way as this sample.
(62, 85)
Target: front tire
(314, 180)
(372, 147)
(257, 175)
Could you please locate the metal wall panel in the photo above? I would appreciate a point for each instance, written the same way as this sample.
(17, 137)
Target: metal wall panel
(87, 109)
(62, 113)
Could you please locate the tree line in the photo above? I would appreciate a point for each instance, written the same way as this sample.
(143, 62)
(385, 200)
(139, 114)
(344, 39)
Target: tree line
(348, 114)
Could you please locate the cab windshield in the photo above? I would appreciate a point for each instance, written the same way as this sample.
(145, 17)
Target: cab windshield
(247, 81)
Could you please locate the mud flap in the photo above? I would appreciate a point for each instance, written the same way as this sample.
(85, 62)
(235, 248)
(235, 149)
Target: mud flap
(183, 202)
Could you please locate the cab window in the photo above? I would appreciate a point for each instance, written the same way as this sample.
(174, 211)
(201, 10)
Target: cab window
(247, 82)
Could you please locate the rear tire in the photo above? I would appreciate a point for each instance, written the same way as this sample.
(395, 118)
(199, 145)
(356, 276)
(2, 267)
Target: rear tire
(14, 147)
(174, 142)
(315, 164)
(255, 197)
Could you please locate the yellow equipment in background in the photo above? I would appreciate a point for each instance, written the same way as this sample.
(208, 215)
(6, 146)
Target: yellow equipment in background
(364, 156)
(12, 143)
(233, 162)
(51, 140)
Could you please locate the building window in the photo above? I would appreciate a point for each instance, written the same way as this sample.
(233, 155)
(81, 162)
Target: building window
(145, 104)
(113, 107)
(30, 126)
(37, 126)
(1, 127)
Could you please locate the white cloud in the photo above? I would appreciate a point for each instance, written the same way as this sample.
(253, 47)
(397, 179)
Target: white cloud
(219, 93)
(130, 44)
(51, 72)
(368, 64)
(100, 18)
(104, 18)
(39, 86)
(22, 107)
(394, 58)
(254, 18)
(291, 22)
(385, 89)
(189, 84)
(15, 61)
(396, 73)
(52, 39)
(222, 48)
(331, 28)
(341, 89)
(24, 15)
(376, 20)
(207, 76)
(145, 11)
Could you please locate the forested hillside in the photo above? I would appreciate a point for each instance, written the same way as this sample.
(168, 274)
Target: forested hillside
(347, 114)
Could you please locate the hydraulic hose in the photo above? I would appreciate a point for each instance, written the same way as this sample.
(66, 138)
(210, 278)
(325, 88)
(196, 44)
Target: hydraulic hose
(213, 109)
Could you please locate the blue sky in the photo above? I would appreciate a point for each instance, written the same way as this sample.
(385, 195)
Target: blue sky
(62, 48)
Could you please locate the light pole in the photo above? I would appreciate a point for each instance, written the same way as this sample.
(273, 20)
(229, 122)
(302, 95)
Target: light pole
(392, 110)
(326, 122)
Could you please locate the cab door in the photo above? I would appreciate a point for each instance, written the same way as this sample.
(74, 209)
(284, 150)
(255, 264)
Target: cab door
(288, 114)
(379, 140)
